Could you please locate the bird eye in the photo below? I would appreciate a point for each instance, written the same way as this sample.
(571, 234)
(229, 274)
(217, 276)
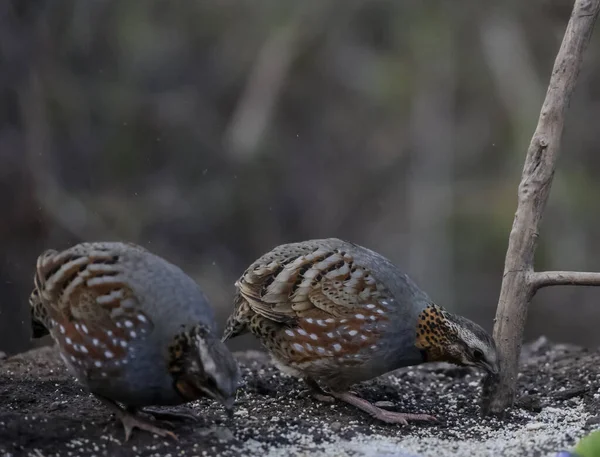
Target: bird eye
(477, 354)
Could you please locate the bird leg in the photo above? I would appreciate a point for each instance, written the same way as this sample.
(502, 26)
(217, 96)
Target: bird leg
(318, 393)
(381, 414)
(130, 420)
(171, 415)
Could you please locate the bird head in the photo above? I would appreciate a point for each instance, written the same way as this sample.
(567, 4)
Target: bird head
(447, 337)
(201, 365)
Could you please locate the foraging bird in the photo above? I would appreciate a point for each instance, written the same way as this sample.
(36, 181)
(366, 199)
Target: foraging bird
(133, 328)
(336, 314)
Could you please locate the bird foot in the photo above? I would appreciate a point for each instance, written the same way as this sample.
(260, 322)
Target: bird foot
(131, 419)
(171, 415)
(318, 393)
(383, 415)
(323, 397)
(391, 417)
(130, 422)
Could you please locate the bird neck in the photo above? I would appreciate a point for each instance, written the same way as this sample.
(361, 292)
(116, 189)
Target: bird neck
(436, 335)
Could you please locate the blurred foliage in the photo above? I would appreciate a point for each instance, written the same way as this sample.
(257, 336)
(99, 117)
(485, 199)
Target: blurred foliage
(589, 446)
(210, 132)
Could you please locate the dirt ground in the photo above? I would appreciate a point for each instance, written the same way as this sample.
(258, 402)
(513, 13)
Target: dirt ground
(44, 412)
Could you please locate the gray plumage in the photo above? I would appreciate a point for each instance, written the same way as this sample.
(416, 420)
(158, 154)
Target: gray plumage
(131, 326)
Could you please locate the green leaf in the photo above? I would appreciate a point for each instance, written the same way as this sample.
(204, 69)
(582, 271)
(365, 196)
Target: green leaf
(589, 446)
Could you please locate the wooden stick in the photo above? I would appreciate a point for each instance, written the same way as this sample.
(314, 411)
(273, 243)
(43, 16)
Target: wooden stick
(563, 278)
(520, 282)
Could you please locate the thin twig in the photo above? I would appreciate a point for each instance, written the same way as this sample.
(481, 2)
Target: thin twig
(65, 209)
(540, 279)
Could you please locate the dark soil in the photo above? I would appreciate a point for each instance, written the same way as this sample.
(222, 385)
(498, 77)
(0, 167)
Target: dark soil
(43, 411)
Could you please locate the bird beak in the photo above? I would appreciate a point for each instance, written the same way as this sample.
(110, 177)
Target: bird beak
(228, 404)
(492, 368)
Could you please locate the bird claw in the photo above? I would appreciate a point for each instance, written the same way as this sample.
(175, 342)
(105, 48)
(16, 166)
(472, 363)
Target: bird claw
(391, 417)
(130, 422)
(171, 415)
(323, 397)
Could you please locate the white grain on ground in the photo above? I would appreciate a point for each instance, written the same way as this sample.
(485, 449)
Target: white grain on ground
(553, 428)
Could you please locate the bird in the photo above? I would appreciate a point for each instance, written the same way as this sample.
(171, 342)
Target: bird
(134, 329)
(335, 314)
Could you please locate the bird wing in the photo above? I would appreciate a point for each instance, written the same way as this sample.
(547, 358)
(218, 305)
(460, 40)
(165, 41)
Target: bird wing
(308, 280)
(315, 301)
(82, 295)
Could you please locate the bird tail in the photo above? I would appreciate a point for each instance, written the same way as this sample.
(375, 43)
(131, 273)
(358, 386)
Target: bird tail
(36, 309)
(236, 324)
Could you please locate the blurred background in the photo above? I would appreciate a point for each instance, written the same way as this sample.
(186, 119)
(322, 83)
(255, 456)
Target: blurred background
(211, 131)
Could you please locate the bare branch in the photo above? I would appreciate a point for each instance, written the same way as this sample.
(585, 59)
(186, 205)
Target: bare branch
(67, 211)
(271, 69)
(563, 278)
(517, 290)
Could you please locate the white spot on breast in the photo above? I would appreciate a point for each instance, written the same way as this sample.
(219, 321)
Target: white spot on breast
(110, 332)
(308, 346)
(119, 324)
(384, 302)
(373, 346)
(337, 347)
(363, 337)
(104, 374)
(352, 332)
(132, 334)
(320, 322)
(77, 327)
(61, 328)
(321, 350)
(313, 336)
(128, 324)
(84, 328)
(142, 318)
(69, 341)
(370, 306)
(380, 311)
(73, 358)
(123, 343)
(289, 332)
(309, 320)
(343, 321)
(298, 347)
(302, 332)
(108, 354)
(330, 335)
(83, 349)
(359, 316)
(95, 342)
(330, 320)
(98, 363)
(373, 318)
